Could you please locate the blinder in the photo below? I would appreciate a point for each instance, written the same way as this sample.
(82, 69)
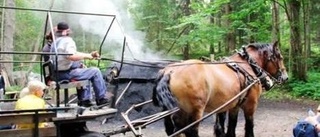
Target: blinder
(274, 60)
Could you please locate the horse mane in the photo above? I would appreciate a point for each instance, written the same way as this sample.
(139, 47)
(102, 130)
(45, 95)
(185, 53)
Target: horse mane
(260, 46)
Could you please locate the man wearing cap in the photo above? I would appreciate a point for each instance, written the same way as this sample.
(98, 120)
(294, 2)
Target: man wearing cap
(70, 66)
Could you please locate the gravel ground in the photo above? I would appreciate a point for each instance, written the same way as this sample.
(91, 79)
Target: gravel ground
(272, 119)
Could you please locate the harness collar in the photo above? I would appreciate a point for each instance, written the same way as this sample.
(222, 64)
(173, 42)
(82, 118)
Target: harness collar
(258, 71)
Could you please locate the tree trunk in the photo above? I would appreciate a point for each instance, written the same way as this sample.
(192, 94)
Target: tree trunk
(212, 21)
(298, 69)
(218, 23)
(9, 29)
(230, 38)
(307, 37)
(275, 22)
(186, 10)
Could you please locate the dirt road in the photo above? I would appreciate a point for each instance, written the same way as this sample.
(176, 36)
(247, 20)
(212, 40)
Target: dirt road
(272, 119)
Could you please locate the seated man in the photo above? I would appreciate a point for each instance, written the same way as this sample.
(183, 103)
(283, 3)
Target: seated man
(32, 100)
(309, 126)
(70, 67)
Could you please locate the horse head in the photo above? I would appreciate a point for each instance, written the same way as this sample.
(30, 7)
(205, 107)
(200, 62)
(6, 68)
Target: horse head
(270, 60)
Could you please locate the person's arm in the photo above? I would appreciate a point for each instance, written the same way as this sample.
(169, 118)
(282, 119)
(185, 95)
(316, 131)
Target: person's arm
(313, 121)
(79, 56)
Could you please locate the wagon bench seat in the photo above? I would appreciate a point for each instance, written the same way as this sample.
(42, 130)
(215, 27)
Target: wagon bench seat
(43, 132)
(15, 118)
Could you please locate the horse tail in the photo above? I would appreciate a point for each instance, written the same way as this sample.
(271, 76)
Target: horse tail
(162, 95)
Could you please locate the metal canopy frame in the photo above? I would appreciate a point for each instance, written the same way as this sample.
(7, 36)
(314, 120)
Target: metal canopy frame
(49, 23)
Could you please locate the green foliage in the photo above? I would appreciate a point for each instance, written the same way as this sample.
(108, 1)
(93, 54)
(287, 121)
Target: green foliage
(154, 18)
(14, 88)
(310, 88)
(201, 31)
(28, 35)
(278, 93)
(95, 63)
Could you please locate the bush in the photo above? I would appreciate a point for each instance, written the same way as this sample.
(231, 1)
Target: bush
(310, 89)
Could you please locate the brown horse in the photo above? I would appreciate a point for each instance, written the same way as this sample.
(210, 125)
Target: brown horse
(197, 87)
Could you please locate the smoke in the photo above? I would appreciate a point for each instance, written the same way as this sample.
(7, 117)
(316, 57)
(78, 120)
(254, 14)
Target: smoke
(123, 26)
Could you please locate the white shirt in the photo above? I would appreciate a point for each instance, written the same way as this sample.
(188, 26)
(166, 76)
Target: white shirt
(64, 44)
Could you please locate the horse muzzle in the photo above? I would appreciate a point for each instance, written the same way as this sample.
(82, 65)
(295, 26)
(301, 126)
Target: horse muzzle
(282, 77)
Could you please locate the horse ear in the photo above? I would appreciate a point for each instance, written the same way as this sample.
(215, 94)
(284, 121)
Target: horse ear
(275, 44)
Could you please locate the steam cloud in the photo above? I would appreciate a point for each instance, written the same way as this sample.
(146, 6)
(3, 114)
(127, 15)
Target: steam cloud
(123, 25)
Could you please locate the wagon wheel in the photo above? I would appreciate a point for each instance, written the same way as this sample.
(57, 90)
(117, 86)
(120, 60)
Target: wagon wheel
(91, 134)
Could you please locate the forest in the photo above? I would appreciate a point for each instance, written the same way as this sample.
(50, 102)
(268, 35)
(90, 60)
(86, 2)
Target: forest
(182, 29)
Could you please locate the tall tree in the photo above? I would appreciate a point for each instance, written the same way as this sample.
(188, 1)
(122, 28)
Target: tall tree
(306, 27)
(230, 39)
(275, 22)
(298, 61)
(9, 29)
(185, 6)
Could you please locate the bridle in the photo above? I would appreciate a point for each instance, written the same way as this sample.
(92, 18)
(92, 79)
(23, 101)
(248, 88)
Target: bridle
(262, 73)
(273, 58)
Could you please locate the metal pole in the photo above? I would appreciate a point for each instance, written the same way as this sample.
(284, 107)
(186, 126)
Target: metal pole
(104, 38)
(43, 43)
(32, 53)
(56, 62)
(12, 61)
(57, 11)
(124, 91)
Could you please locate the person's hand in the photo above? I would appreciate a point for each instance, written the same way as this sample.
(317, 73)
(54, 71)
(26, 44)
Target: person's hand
(314, 121)
(95, 54)
(83, 65)
(317, 128)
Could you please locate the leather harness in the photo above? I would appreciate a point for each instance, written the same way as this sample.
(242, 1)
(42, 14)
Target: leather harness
(259, 72)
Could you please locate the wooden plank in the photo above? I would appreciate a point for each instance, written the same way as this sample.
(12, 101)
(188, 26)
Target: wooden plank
(87, 114)
(7, 119)
(43, 132)
(12, 94)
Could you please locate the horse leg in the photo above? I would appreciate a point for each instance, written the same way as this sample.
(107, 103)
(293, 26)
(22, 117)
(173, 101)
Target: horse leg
(175, 122)
(232, 122)
(249, 125)
(182, 119)
(249, 108)
(219, 124)
(168, 124)
(193, 131)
